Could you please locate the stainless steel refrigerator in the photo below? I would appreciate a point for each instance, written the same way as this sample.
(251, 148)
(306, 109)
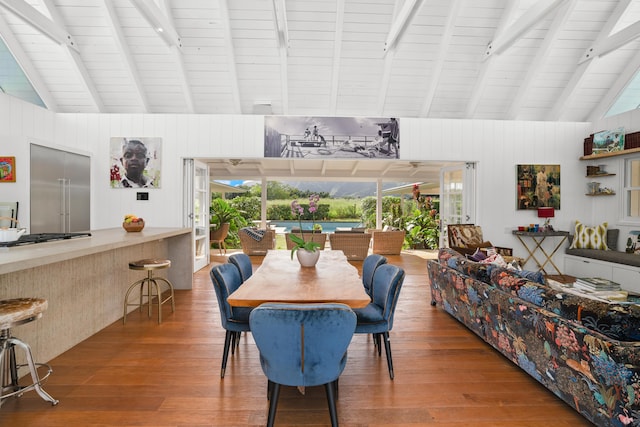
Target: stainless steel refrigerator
(60, 191)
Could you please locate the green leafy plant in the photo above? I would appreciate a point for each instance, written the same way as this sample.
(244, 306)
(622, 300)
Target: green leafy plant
(298, 211)
(222, 211)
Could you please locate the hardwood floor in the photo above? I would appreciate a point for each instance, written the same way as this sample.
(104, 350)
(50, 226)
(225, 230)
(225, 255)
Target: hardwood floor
(168, 375)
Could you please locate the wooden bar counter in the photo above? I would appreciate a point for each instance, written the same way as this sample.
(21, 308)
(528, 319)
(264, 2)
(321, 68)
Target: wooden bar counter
(84, 280)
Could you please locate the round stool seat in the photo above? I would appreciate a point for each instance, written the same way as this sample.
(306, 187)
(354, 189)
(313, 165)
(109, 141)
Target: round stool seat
(14, 312)
(20, 310)
(152, 283)
(150, 264)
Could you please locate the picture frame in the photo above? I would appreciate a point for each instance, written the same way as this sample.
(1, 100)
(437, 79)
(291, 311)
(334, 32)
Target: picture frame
(332, 137)
(632, 244)
(532, 194)
(145, 172)
(7, 169)
(608, 141)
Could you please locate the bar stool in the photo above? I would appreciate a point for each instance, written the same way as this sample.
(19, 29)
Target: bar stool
(15, 312)
(149, 265)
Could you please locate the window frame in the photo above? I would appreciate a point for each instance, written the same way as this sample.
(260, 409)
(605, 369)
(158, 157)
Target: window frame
(627, 188)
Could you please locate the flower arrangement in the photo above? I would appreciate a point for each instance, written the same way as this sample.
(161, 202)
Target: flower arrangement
(297, 210)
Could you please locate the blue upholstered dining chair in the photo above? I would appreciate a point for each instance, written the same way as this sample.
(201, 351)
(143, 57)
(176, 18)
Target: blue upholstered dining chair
(302, 345)
(369, 265)
(235, 320)
(243, 262)
(377, 317)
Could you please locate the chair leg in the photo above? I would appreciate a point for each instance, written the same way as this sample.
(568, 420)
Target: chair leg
(273, 403)
(387, 349)
(378, 343)
(225, 353)
(234, 337)
(331, 400)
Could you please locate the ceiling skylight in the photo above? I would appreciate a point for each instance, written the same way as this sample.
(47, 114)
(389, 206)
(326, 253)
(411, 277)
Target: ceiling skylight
(629, 99)
(13, 80)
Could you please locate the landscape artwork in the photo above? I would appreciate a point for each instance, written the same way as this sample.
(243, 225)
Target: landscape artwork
(135, 162)
(608, 141)
(538, 186)
(331, 137)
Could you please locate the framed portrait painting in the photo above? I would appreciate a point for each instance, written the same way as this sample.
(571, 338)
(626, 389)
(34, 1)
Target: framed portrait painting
(538, 186)
(135, 162)
(7, 169)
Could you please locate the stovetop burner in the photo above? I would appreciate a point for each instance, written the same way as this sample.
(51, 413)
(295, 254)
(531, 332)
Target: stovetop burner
(29, 239)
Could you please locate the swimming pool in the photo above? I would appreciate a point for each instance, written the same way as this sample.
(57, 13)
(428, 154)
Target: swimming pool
(327, 226)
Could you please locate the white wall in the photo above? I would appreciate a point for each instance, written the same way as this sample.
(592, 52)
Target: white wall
(497, 146)
(610, 208)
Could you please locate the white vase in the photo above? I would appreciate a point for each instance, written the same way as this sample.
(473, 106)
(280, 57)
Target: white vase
(307, 258)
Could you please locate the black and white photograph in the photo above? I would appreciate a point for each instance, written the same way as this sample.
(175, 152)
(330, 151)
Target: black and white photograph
(335, 137)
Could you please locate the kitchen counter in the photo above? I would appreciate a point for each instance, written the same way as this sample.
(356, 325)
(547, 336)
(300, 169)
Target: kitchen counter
(85, 279)
(34, 255)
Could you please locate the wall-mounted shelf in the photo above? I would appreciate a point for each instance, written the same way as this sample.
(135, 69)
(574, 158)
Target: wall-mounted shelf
(612, 154)
(599, 194)
(601, 175)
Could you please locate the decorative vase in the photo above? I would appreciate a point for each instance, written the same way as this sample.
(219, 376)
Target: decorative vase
(307, 258)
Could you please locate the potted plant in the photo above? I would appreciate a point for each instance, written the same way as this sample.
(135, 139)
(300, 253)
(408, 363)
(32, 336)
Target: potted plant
(307, 250)
(222, 212)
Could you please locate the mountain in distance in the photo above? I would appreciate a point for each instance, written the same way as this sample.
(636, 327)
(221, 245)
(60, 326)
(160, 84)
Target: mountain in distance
(337, 189)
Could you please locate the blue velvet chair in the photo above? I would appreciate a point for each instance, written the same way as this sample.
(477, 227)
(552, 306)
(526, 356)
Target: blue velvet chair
(302, 345)
(235, 320)
(243, 262)
(369, 265)
(377, 317)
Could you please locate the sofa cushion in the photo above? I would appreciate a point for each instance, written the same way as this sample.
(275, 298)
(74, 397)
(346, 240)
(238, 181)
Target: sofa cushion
(510, 281)
(590, 237)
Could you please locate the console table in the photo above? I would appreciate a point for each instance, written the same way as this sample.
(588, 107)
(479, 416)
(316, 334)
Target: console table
(535, 246)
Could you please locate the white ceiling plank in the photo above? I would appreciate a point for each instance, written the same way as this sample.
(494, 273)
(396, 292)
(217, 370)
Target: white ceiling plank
(74, 55)
(434, 77)
(230, 55)
(165, 19)
(526, 21)
(159, 22)
(400, 23)
(123, 48)
(555, 113)
(32, 73)
(337, 50)
(40, 22)
(281, 25)
(613, 42)
(543, 52)
(388, 63)
(484, 72)
(283, 51)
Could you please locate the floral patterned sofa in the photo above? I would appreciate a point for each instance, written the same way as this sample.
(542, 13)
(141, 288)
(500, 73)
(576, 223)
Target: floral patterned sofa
(585, 351)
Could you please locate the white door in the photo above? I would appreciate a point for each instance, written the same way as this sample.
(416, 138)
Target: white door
(457, 197)
(196, 212)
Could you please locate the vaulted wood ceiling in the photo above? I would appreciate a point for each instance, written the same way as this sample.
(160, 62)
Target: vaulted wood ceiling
(485, 59)
(489, 59)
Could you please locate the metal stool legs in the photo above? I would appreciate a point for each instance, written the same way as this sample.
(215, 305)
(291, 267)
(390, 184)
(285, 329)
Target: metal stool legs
(152, 284)
(9, 369)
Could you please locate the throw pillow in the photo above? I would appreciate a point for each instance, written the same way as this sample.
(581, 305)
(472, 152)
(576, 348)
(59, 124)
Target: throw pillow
(477, 256)
(590, 237)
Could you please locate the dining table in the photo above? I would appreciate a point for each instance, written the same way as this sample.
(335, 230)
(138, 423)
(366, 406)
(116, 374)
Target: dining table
(282, 279)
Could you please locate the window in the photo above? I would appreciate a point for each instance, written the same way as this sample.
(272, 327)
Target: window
(632, 189)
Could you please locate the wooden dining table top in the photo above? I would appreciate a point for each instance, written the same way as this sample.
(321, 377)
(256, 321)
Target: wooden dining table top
(282, 279)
